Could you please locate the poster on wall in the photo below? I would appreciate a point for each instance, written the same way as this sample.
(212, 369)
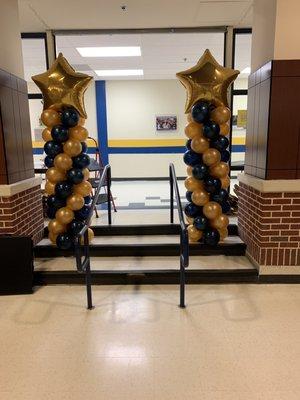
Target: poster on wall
(166, 122)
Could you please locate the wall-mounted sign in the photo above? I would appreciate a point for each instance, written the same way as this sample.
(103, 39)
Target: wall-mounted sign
(166, 122)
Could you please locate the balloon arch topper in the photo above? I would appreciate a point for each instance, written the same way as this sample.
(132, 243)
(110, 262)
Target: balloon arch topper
(207, 156)
(67, 186)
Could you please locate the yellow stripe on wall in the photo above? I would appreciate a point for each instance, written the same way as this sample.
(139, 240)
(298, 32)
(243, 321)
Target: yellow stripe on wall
(158, 142)
(38, 144)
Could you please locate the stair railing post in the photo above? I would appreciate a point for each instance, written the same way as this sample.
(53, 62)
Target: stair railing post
(88, 278)
(171, 195)
(108, 182)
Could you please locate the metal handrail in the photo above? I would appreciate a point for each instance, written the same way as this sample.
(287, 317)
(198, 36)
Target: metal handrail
(184, 240)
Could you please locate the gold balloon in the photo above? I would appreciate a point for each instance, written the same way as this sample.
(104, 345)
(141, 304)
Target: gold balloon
(64, 215)
(56, 227)
(75, 202)
(207, 80)
(211, 156)
(72, 147)
(224, 129)
(52, 237)
(219, 170)
(81, 121)
(78, 133)
(84, 188)
(189, 220)
(192, 184)
(50, 118)
(86, 174)
(220, 222)
(193, 129)
(220, 115)
(194, 233)
(49, 188)
(63, 162)
(46, 134)
(225, 182)
(199, 144)
(91, 236)
(62, 86)
(223, 233)
(54, 175)
(189, 117)
(189, 170)
(212, 210)
(200, 197)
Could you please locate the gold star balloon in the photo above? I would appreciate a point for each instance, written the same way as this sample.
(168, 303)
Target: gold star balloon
(207, 80)
(62, 86)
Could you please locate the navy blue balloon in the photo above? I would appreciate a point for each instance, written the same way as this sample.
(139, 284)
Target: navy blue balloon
(60, 133)
(212, 185)
(84, 147)
(191, 158)
(188, 196)
(226, 208)
(69, 117)
(201, 222)
(200, 171)
(49, 161)
(64, 241)
(55, 202)
(188, 144)
(51, 211)
(83, 213)
(211, 107)
(225, 155)
(200, 111)
(220, 196)
(211, 236)
(75, 175)
(81, 161)
(211, 130)
(191, 210)
(88, 200)
(53, 148)
(75, 227)
(221, 143)
(63, 189)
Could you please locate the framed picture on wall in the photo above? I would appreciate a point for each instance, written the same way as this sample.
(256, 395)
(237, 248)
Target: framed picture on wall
(166, 122)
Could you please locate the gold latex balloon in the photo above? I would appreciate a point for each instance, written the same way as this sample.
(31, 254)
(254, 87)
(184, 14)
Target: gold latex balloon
(224, 129)
(79, 133)
(86, 174)
(200, 197)
(189, 117)
(84, 188)
(189, 170)
(189, 220)
(64, 215)
(72, 147)
(194, 234)
(52, 237)
(192, 184)
(219, 170)
(211, 156)
(56, 227)
(207, 80)
(62, 86)
(193, 129)
(49, 188)
(225, 182)
(50, 118)
(223, 233)
(220, 222)
(75, 202)
(63, 162)
(220, 115)
(199, 144)
(81, 121)
(91, 236)
(55, 175)
(212, 210)
(46, 134)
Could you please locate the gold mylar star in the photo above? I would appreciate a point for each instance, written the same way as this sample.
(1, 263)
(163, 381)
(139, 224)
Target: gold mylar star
(62, 86)
(207, 80)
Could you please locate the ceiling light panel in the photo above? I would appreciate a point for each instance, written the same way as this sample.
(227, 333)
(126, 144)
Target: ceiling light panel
(123, 51)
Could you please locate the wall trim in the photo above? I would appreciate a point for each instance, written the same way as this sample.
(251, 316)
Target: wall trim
(265, 186)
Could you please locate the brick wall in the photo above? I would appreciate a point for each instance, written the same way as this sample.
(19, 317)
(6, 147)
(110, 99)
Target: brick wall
(22, 214)
(269, 223)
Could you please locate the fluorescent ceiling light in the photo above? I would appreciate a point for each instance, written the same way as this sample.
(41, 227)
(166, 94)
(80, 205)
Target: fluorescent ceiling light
(124, 51)
(119, 72)
(246, 70)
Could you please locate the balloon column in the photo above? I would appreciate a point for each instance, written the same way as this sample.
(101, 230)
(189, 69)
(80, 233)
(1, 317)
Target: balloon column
(207, 155)
(67, 185)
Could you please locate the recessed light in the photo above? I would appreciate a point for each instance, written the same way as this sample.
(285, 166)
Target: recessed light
(119, 72)
(246, 70)
(124, 51)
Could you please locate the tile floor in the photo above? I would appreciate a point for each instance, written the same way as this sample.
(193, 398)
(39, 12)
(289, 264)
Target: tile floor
(237, 342)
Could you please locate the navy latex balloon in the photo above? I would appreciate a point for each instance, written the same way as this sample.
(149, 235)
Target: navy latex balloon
(64, 241)
(60, 133)
(188, 196)
(220, 196)
(63, 189)
(200, 171)
(69, 117)
(81, 161)
(221, 143)
(201, 222)
(75, 175)
(211, 130)
(225, 155)
(84, 147)
(211, 236)
(191, 158)
(49, 161)
(191, 210)
(83, 213)
(88, 200)
(188, 144)
(212, 185)
(54, 201)
(53, 148)
(75, 227)
(226, 207)
(51, 211)
(200, 111)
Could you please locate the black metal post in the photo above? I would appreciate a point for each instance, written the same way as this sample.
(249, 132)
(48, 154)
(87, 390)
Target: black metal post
(88, 278)
(182, 270)
(108, 182)
(171, 196)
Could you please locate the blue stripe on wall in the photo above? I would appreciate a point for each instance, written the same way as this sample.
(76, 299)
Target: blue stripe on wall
(40, 150)
(102, 119)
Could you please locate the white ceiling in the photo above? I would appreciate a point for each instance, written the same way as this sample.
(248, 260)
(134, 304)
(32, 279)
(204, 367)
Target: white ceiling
(39, 15)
